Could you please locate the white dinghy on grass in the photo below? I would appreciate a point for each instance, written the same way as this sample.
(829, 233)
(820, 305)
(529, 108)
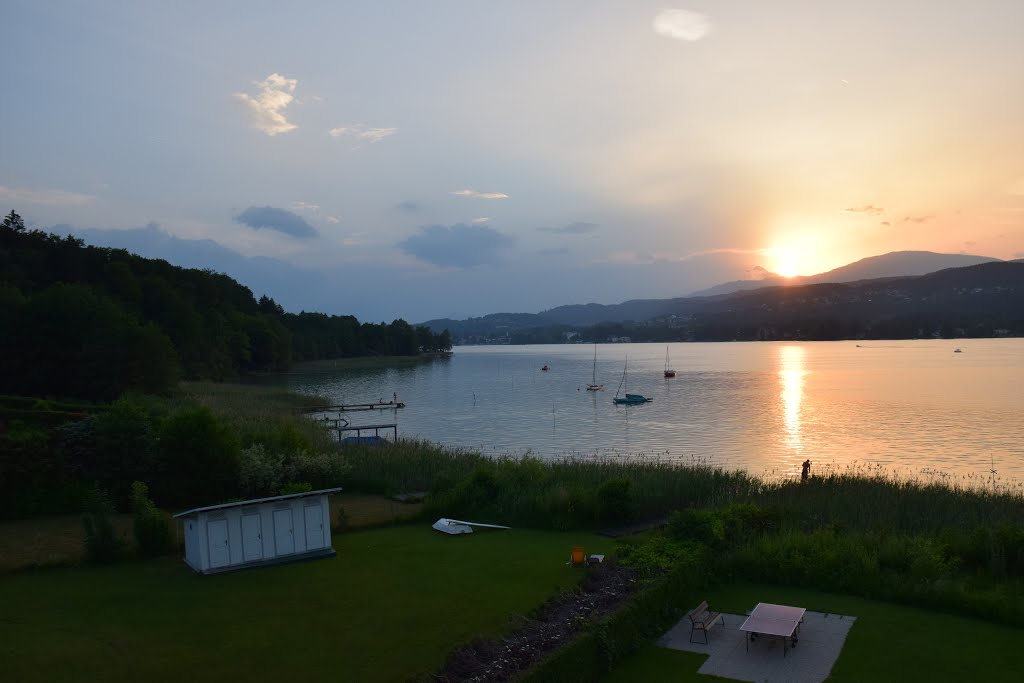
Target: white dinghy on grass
(454, 527)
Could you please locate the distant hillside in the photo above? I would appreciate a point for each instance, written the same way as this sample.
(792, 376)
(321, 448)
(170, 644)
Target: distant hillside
(897, 264)
(893, 264)
(979, 299)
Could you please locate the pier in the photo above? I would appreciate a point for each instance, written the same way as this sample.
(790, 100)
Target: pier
(351, 407)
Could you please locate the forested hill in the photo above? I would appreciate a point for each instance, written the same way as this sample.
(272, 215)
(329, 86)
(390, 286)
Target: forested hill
(91, 322)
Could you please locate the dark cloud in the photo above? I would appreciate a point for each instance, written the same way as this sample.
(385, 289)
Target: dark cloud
(575, 228)
(870, 209)
(272, 218)
(560, 251)
(408, 205)
(917, 219)
(457, 246)
(885, 223)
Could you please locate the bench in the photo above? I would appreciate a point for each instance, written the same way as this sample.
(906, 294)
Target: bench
(703, 619)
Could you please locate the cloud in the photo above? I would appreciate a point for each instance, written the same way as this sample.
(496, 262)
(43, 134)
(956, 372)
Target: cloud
(457, 246)
(558, 251)
(885, 223)
(574, 228)
(917, 219)
(362, 133)
(681, 24)
(408, 205)
(272, 218)
(481, 219)
(44, 196)
(307, 206)
(869, 209)
(314, 209)
(480, 195)
(267, 107)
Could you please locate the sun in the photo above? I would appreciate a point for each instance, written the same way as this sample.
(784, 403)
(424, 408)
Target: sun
(787, 261)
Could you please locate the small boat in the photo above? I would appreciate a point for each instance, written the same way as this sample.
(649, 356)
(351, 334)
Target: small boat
(669, 372)
(957, 350)
(545, 368)
(594, 386)
(631, 399)
(627, 398)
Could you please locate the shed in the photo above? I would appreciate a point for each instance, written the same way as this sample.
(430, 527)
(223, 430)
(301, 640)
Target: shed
(263, 531)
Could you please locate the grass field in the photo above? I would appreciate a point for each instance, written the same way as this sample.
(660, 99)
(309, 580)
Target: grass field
(887, 643)
(390, 606)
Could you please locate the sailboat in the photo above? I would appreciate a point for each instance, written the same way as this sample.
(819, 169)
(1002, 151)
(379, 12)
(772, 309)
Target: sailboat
(594, 386)
(628, 398)
(669, 372)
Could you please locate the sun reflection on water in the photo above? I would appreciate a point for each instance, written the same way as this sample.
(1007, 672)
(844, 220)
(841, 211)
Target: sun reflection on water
(791, 376)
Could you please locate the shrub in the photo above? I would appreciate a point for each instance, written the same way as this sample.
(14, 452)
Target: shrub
(102, 545)
(152, 533)
(616, 502)
(200, 458)
(295, 487)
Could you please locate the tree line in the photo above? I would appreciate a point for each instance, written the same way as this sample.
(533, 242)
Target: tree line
(92, 322)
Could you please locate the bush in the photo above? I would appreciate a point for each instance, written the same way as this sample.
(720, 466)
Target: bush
(200, 457)
(295, 487)
(152, 533)
(616, 502)
(102, 546)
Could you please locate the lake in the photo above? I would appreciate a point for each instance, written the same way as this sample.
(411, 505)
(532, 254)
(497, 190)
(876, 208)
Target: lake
(913, 409)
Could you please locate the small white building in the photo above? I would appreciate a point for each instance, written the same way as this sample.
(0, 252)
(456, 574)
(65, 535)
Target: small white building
(258, 532)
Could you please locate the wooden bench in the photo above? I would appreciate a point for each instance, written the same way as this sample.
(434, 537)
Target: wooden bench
(703, 619)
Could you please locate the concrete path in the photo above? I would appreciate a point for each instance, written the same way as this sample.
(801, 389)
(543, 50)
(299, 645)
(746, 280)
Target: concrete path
(820, 641)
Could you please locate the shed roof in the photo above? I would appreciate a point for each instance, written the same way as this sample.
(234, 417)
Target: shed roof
(254, 501)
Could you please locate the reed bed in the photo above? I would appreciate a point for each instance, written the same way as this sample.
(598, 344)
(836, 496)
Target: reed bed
(527, 488)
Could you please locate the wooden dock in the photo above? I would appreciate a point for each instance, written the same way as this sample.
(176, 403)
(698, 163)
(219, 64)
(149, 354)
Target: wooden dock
(351, 407)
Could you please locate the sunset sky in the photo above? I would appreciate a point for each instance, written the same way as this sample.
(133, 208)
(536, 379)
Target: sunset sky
(428, 159)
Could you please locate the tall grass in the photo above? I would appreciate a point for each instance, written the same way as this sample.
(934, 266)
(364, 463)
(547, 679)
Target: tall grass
(261, 415)
(880, 501)
(565, 493)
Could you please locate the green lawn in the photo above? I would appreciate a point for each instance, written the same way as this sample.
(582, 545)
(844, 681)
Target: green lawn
(887, 643)
(391, 605)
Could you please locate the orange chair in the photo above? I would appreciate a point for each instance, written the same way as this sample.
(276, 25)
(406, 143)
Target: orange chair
(578, 557)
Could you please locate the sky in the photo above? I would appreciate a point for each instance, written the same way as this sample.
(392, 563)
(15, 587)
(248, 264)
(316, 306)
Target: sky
(458, 158)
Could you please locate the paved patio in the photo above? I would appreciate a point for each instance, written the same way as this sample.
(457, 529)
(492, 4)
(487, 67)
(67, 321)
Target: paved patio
(821, 639)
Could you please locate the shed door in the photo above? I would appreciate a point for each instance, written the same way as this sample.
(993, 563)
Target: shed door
(284, 534)
(252, 538)
(217, 535)
(314, 527)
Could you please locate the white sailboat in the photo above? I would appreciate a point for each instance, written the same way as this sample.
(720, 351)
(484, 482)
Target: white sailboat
(594, 386)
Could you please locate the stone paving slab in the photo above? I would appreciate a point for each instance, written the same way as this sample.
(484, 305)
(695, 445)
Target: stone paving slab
(820, 641)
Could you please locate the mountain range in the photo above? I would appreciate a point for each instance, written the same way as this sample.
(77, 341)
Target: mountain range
(725, 297)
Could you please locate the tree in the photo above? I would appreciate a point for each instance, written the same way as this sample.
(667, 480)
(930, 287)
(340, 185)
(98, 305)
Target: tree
(14, 222)
(200, 459)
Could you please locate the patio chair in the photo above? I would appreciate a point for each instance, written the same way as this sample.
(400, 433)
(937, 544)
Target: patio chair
(578, 557)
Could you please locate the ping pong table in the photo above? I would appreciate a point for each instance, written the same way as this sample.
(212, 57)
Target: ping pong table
(779, 621)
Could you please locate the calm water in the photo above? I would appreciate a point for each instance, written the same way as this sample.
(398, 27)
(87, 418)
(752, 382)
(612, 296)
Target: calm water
(915, 408)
